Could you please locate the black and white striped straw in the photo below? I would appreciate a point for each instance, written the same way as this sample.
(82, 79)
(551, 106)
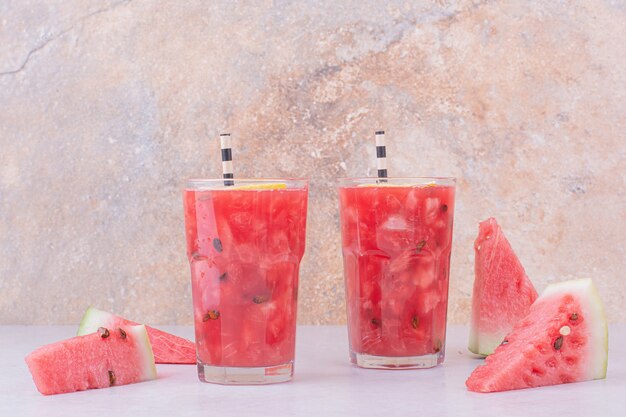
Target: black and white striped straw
(381, 154)
(227, 159)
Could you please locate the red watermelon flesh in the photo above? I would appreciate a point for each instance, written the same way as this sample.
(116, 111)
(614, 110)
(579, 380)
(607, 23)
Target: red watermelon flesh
(115, 356)
(502, 292)
(167, 348)
(564, 338)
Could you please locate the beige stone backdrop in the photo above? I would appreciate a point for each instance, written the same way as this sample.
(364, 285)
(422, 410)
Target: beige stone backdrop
(105, 106)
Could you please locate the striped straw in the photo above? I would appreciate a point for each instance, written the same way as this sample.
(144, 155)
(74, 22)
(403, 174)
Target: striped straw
(227, 158)
(381, 155)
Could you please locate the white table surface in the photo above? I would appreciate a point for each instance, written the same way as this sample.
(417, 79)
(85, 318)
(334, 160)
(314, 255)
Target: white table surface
(325, 384)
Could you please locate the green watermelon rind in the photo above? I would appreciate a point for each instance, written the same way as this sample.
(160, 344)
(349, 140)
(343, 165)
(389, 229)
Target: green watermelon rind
(482, 344)
(140, 335)
(586, 291)
(91, 320)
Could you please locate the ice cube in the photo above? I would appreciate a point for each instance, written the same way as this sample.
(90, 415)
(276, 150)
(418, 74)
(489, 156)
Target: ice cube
(425, 273)
(412, 201)
(278, 242)
(371, 337)
(393, 203)
(431, 207)
(402, 262)
(429, 300)
(441, 224)
(391, 235)
(269, 308)
(395, 222)
(240, 219)
(392, 306)
(349, 214)
(201, 267)
(210, 296)
(248, 253)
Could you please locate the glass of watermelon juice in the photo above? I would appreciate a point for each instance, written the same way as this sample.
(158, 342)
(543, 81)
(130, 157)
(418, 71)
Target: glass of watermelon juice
(244, 245)
(396, 241)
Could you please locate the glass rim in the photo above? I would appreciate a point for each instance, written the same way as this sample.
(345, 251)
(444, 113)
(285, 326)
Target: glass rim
(212, 183)
(408, 181)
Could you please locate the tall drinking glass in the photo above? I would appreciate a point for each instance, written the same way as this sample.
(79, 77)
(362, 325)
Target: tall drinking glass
(244, 244)
(396, 240)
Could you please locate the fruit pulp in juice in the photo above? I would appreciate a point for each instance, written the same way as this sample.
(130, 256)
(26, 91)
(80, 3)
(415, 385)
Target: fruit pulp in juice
(396, 249)
(244, 248)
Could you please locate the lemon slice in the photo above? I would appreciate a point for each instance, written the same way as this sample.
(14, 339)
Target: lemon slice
(267, 186)
(385, 184)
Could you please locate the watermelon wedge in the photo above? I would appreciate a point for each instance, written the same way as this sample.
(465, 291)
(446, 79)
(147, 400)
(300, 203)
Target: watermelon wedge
(502, 292)
(115, 356)
(167, 347)
(563, 339)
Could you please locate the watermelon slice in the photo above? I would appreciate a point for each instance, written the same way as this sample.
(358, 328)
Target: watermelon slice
(115, 356)
(563, 339)
(502, 292)
(167, 347)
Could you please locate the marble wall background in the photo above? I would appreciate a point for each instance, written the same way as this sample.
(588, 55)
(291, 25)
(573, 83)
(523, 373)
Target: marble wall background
(105, 106)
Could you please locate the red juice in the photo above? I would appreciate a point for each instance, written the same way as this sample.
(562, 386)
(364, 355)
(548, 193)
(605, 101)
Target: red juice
(397, 240)
(244, 245)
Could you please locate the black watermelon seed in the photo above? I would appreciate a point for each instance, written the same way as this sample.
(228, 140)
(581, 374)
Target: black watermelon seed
(217, 244)
(211, 315)
(558, 343)
(259, 299)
